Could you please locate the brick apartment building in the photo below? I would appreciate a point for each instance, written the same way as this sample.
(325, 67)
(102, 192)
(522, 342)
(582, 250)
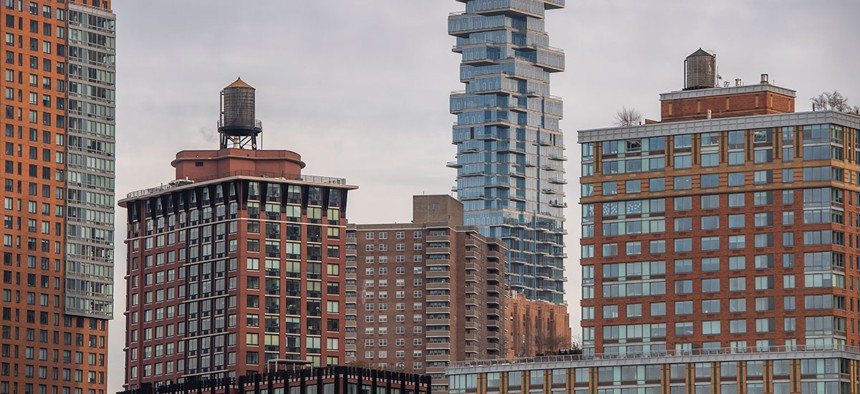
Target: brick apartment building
(58, 214)
(730, 224)
(237, 267)
(422, 294)
(535, 327)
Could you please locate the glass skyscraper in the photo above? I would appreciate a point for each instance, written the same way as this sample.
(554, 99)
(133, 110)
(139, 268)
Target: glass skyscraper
(510, 151)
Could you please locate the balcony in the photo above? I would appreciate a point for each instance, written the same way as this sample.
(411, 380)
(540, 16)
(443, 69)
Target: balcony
(438, 310)
(439, 238)
(438, 286)
(438, 274)
(438, 250)
(557, 204)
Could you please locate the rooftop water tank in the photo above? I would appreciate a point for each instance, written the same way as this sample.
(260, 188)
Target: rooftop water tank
(700, 70)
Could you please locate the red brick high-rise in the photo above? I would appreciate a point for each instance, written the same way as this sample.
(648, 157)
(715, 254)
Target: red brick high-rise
(58, 195)
(730, 224)
(237, 266)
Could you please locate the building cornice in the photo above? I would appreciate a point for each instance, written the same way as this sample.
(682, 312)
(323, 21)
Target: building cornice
(721, 124)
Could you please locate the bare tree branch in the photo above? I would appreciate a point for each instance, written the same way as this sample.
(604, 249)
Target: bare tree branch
(627, 117)
(832, 101)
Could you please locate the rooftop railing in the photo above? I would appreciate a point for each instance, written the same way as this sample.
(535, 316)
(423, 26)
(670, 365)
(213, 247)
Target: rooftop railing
(654, 355)
(256, 174)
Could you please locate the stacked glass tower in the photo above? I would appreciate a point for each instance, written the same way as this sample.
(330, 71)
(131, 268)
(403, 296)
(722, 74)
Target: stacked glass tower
(510, 154)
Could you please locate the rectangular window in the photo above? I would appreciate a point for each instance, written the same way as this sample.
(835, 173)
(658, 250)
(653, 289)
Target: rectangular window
(710, 181)
(683, 182)
(683, 245)
(736, 179)
(610, 188)
(710, 222)
(710, 202)
(736, 200)
(633, 186)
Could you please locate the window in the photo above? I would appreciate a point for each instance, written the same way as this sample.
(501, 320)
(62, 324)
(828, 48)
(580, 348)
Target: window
(710, 202)
(683, 287)
(710, 264)
(737, 263)
(610, 188)
(683, 245)
(737, 242)
(764, 282)
(683, 182)
(657, 184)
(711, 327)
(683, 308)
(683, 224)
(736, 200)
(610, 250)
(736, 221)
(763, 177)
(710, 285)
(683, 203)
(710, 243)
(658, 309)
(736, 179)
(710, 306)
(710, 181)
(634, 310)
(633, 186)
(684, 266)
(657, 246)
(710, 222)
(683, 161)
(634, 248)
(610, 311)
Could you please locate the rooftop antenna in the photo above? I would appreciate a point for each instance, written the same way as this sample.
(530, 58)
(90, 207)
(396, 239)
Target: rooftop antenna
(238, 126)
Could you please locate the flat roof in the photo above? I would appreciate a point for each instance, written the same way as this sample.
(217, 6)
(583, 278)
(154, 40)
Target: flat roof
(719, 124)
(710, 92)
(182, 184)
(583, 361)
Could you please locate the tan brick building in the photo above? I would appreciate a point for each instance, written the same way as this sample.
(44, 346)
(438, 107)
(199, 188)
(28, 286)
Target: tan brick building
(422, 294)
(536, 327)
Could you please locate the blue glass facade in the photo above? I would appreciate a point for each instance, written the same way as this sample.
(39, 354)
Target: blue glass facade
(510, 150)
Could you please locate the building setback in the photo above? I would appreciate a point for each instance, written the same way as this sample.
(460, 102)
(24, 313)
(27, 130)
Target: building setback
(420, 295)
(237, 267)
(721, 231)
(58, 195)
(510, 150)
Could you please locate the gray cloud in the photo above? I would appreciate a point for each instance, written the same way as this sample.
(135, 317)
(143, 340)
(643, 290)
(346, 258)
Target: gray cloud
(360, 88)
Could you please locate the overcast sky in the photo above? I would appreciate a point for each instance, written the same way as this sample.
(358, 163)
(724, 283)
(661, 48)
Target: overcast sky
(360, 87)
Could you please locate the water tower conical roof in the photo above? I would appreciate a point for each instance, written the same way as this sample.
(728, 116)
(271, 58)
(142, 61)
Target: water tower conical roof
(239, 83)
